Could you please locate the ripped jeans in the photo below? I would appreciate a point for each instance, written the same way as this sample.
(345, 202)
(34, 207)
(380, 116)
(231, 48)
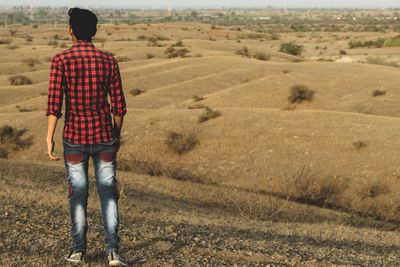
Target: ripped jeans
(76, 159)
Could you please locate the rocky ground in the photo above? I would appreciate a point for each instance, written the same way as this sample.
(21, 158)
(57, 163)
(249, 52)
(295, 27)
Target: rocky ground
(165, 230)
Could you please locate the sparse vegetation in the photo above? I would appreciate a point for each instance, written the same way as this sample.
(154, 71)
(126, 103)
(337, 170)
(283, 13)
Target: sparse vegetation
(136, 91)
(11, 140)
(360, 144)
(5, 41)
(180, 143)
(31, 62)
(209, 114)
(291, 48)
(149, 56)
(171, 52)
(197, 98)
(300, 93)
(19, 80)
(178, 43)
(262, 56)
(244, 51)
(378, 92)
(53, 43)
(377, 43)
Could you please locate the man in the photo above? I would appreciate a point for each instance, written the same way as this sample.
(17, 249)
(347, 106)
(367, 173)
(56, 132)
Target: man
(87, 76)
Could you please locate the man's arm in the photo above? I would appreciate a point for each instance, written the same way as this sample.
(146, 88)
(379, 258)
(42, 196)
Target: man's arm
(118, 104)
(51, 128)
(54, 104)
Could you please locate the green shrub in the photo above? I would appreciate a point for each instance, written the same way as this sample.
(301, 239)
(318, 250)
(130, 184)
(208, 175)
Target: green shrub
(291, 48)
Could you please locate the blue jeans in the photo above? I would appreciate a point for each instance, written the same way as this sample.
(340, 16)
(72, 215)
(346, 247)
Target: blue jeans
(76, 159)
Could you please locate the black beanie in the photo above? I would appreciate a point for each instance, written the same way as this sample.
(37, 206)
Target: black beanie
(83, 23)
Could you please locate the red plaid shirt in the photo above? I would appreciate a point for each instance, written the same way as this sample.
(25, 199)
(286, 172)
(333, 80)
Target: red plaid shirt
(86, 76)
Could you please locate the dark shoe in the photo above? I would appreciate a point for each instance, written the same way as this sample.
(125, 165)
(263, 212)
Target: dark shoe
(114, 259)
(76, 257)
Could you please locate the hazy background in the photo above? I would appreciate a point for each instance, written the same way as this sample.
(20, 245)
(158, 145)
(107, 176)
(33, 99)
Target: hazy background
(211, 3)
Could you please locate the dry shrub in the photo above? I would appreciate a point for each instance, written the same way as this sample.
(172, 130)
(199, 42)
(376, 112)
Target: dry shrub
(52, 43)
(3, 153)
(178, 43)
(244, 51)
(378, 92)
(309, 188)
(12, 47)
(261, 208)
(5, 41)
(209, 114)
(123, 59)
(180, 143)
(300, 93)
(171, 52)
(153, 42)
(31, 62)
(197, 106)
(136, 91)
(149, 56)
(374, 199)
(286, 71)
(360, 144)
(197, 98)
(11, 139)
(262, 56)
(19, 80)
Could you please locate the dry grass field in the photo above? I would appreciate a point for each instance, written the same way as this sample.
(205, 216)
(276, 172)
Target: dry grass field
(229, 156)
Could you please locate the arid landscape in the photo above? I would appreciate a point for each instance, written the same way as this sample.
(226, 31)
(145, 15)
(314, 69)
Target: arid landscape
(250, 140)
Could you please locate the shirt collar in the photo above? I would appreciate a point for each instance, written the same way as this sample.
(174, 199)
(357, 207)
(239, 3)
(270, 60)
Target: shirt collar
(83, 43)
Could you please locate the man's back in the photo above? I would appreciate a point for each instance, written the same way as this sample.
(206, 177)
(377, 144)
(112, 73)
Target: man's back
(86, 76)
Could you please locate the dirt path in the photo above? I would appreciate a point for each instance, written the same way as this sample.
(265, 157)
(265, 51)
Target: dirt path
(165, 229)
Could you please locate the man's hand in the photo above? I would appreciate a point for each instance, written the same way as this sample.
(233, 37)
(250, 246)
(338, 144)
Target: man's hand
(50, 150)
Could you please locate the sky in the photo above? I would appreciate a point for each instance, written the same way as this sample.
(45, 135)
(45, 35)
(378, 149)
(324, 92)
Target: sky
(208, 3)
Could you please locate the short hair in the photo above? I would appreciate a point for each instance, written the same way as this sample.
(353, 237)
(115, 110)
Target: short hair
(83, 23)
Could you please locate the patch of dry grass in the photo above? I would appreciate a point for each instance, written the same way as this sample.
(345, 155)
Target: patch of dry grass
(11, 140)
(300, 93)
(209, 114)
(181, 143)
(19, 80)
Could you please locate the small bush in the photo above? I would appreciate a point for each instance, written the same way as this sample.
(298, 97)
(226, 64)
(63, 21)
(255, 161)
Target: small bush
(153, 42)
(178, 43)
(181, 143)
(141, 38)
(244, 51)
(360, 144)
(149, 56)
(19, 80)
(262, 56)
(12, 47)
(5, 41)
(31, 62)
(291, 48)
(11, 139)
(342, 52)
(3, 153)
(171, 52)
(378, 92)
(374, 189)
(136, 91)
(63, 45)
(309, 188)
(53, 43)
(197, 98)
(29, 39)
(209, 114)
(300, 93)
